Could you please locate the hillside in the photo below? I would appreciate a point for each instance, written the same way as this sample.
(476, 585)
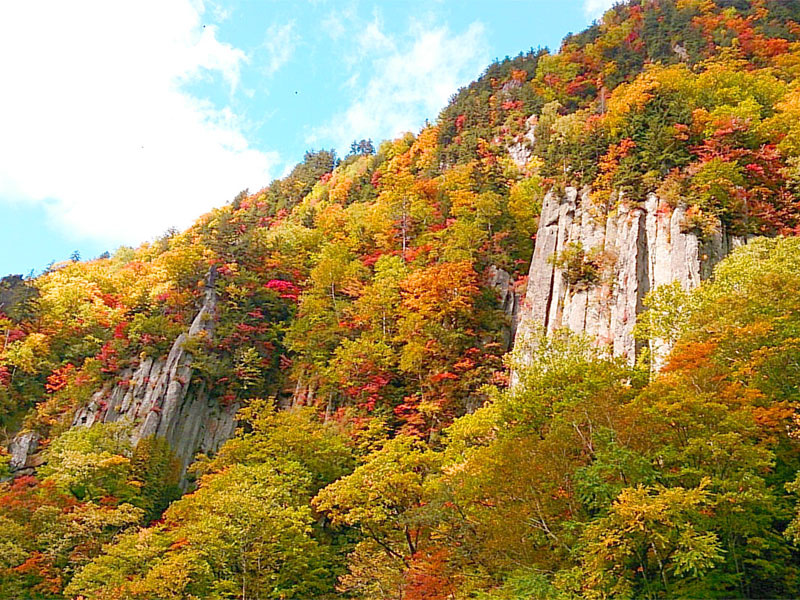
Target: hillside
(545, 348)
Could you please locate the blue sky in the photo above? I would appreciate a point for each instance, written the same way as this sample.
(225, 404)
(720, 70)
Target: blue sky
(119, 121)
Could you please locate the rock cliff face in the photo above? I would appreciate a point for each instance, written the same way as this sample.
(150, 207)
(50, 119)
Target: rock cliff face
(22, 449)
(637, 248)
(509, 298)
(159, 397)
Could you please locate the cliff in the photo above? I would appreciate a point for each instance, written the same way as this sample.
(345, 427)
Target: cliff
(158, 397)
(509, 300)
(628, 251)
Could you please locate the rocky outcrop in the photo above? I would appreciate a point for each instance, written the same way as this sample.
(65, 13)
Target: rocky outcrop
(522, 148)
(304, 393)
(509, 299)
(22, 451)
(160, 397)
(635, 248)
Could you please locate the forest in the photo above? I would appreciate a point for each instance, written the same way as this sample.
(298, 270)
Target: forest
(390, 436)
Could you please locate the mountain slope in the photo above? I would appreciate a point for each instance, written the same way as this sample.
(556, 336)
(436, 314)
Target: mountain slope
(376, 297)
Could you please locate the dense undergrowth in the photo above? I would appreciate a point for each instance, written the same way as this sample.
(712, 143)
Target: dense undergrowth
(360, 288)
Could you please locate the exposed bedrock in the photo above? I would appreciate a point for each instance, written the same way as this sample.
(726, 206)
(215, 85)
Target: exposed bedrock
(637, 247)
(503, 283)
(160, 397)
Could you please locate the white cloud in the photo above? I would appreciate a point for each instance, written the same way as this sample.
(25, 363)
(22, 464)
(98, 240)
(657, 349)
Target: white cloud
(372, 39)
(595, 8)
(333, 25)
(280, 43)
(407, 82)
(95, 124)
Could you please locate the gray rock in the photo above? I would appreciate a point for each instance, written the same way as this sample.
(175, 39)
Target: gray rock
(21, 448)
(520, 151)
(160, 397)
(304, 392)
(509, 299)
(642, 247)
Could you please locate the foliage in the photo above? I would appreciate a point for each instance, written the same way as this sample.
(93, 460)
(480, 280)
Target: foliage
(580, 269)
(392, 461)
(241, 532)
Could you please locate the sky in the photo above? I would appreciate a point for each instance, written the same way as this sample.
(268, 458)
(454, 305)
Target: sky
(119, 120)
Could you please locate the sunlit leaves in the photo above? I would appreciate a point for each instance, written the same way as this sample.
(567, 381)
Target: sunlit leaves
(649, 538)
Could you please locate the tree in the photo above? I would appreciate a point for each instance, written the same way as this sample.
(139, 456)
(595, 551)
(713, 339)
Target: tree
(381, 499)
(653, 542)
(91, 462)
(243, 534)
(363, 147)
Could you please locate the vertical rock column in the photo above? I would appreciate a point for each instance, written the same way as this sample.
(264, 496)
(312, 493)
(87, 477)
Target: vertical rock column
(503, 284)
(642, 246)
(161, 398)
